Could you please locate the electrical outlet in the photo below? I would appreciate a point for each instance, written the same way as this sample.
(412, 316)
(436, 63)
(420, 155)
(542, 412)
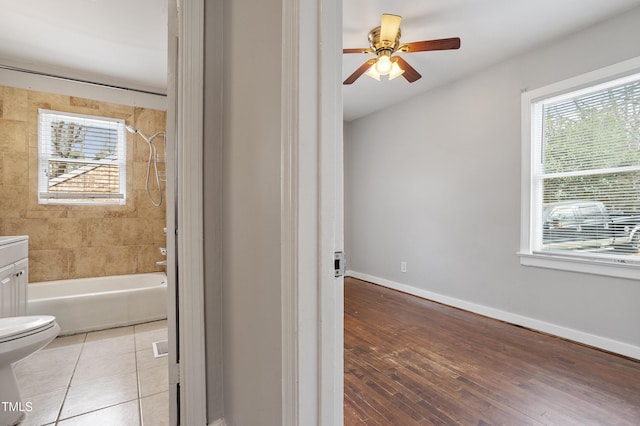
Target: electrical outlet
(403, 266)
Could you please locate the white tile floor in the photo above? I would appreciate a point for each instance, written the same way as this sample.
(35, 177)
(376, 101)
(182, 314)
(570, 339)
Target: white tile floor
(107, 377)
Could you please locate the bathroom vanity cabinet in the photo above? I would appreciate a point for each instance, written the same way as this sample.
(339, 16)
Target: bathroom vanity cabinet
(14, 275)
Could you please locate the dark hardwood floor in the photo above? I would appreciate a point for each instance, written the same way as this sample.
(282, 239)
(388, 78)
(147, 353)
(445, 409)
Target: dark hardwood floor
(409, 361)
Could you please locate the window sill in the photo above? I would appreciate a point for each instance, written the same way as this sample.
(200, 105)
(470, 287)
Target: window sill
(611, 268)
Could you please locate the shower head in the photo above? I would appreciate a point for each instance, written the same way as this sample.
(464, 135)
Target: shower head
(131, 129)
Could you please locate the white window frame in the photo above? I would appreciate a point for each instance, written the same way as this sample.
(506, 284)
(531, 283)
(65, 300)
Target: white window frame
(44, 156)
(598, 265)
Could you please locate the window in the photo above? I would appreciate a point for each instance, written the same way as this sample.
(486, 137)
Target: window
(581, 173)
(81, 159)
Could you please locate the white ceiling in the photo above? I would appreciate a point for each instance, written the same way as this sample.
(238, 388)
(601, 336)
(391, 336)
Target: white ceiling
(116, 42)
(124, 42)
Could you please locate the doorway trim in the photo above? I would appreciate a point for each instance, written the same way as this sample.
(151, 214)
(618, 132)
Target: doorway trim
(189, 108)
(331, 212)
(311, 212)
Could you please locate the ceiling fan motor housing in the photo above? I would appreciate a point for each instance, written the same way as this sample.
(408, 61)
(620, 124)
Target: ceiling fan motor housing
(378, 45)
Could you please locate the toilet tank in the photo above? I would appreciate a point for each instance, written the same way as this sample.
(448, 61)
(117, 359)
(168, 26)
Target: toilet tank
(14, 275)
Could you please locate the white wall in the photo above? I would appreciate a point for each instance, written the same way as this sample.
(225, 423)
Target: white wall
(212, 208)
(435, 182)
(251, 277)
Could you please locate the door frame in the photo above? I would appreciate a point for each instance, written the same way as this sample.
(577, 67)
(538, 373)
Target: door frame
(186, 59)
(331, 214)
(312, 212)
(170, 206)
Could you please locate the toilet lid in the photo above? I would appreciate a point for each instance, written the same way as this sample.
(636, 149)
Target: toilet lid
(15, 326)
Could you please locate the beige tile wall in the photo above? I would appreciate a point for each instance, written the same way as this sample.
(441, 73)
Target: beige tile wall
(77, 241)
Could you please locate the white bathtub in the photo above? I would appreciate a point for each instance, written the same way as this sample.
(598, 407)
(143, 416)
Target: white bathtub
(88, 304)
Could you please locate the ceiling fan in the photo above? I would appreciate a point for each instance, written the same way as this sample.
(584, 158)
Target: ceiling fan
(384, 41)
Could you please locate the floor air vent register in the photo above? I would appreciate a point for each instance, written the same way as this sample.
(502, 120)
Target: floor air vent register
(160, 349)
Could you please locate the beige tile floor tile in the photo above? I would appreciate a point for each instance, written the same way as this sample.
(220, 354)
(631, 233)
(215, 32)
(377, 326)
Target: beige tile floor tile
(109, 346)
(44, 408)
(44, 381)
(146, 359)
(99, 394)
(98, 378)
(155, 409)
(61, 341)
(153, 380)
(109, 342)
(144, 340)
(126, 414)
(97, 367)
(48, 359)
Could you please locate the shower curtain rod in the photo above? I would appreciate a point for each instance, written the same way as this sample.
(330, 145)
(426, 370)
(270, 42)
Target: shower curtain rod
(78, 80)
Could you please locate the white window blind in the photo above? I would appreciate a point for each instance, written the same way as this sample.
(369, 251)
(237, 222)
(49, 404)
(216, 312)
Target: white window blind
(585, 172)
(81, 159)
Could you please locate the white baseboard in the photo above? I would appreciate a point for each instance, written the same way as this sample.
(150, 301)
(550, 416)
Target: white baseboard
(534, 324)
(219, 422)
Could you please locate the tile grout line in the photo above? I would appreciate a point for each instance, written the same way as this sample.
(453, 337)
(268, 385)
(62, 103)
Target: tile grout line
(58, 419)
(95, 410)
(139, 382)
(135, 348)
(66, 393)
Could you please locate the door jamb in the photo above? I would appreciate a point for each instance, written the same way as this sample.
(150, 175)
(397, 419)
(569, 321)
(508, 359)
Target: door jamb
(189, 203)
(311, 212)
(170, 206)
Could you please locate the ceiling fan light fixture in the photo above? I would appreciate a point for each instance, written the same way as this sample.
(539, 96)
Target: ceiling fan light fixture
(396, 71)
(383, 65)
(373, 73)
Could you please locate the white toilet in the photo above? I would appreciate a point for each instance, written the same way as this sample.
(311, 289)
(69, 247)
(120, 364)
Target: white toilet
(19, 338)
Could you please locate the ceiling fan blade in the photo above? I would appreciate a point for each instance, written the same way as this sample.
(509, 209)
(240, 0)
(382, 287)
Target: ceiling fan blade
(361, 70)
(363, 50)
(389, 28)
(409, 73)
(440, 44)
